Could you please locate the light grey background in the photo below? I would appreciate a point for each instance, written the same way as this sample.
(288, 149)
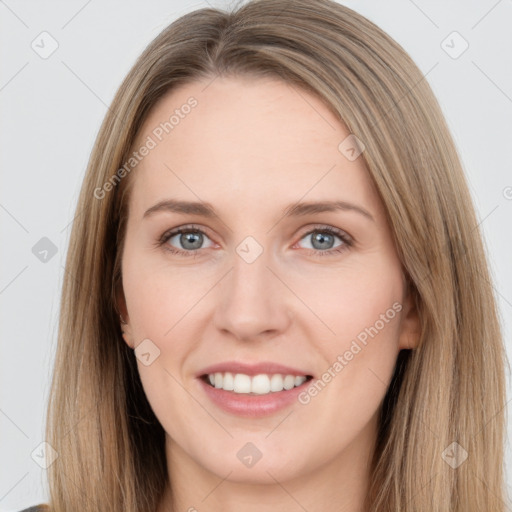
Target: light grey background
(52, 109)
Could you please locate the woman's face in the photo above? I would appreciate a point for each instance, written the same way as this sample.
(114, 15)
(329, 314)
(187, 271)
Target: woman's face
(260, 282)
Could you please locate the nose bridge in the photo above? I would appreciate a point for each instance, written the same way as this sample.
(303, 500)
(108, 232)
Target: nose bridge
(251, 302)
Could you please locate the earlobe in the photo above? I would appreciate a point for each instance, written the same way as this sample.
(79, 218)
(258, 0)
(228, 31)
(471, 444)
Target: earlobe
(410, 331)
(127, 335)
(124, 319)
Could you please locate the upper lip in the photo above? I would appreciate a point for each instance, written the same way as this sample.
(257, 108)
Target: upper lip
(267, 367)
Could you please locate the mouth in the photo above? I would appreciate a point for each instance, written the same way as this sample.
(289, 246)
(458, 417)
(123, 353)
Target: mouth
(253, 390)
(257, 385)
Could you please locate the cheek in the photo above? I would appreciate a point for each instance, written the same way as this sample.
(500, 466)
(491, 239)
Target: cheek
(160, 303)
(350, 300)
(358, 338)
(159, 296)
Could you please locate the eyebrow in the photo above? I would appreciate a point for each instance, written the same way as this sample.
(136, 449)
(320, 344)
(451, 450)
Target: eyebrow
(294, 210)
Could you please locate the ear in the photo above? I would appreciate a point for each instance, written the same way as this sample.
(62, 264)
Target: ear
(410, 328)
(126, 325)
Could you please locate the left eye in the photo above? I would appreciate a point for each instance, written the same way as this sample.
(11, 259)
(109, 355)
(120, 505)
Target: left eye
(322, 239)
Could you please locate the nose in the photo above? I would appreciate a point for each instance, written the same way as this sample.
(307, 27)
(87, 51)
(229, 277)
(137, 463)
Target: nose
(253, 302)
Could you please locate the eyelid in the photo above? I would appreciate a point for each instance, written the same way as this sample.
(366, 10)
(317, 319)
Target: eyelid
(328, 228)
(185, 227)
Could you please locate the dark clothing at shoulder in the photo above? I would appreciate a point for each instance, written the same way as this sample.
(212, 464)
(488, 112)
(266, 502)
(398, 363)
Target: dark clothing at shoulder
(37, 508)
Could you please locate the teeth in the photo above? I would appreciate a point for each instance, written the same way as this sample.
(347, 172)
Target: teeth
(261, 384)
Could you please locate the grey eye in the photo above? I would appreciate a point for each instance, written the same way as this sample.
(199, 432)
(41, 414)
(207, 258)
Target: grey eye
(321, 240)
(188, 240)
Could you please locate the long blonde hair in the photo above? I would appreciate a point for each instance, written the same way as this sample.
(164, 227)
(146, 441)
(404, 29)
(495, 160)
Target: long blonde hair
(451, 388)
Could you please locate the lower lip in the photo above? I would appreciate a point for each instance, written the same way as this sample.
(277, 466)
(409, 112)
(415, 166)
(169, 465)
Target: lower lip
(252, 406)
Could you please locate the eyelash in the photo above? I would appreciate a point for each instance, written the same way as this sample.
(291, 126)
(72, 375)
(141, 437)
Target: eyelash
(347, 241)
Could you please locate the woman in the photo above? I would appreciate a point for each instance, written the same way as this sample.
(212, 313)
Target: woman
(277, 297)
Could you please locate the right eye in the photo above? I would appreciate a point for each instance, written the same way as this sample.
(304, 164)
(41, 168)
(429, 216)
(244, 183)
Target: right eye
(186, 241)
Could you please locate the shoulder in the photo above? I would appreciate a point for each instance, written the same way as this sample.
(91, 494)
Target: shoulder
(37, 508)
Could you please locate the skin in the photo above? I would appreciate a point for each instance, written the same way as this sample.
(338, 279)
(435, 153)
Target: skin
(250, 148)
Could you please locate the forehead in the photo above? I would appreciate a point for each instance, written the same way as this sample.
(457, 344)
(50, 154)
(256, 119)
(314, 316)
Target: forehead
(245, 141)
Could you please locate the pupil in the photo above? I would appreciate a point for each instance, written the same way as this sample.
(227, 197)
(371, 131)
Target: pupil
(321, 238)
